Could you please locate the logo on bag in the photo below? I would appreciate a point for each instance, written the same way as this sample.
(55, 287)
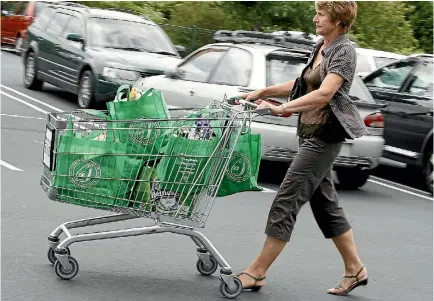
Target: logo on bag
(239, 167)
(144, 132)
(84, 173)
(165, 201)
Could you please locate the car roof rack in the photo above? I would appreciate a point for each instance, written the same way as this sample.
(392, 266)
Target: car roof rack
(129, 11)
(257, 37)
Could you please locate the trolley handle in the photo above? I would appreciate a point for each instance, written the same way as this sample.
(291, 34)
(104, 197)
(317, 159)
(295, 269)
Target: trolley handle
(240, 100)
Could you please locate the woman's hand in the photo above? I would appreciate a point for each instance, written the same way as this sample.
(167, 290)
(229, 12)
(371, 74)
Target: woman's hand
(252, 96)
(275, 110)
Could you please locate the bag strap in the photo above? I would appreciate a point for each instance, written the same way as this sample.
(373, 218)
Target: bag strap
(96, 113)
(120, 89)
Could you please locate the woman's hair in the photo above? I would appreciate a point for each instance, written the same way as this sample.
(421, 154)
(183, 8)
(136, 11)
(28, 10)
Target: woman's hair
(343, 11)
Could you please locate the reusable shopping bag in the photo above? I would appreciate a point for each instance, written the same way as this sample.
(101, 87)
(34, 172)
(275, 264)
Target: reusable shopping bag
(243, 169)
(142, 138)
(94, 173)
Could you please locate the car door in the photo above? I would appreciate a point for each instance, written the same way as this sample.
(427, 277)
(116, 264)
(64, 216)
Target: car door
(385, 85)
(8, 16)
(49, 47)
(70, 54)
(183, 89)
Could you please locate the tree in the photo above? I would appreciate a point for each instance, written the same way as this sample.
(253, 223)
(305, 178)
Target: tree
(421, 19)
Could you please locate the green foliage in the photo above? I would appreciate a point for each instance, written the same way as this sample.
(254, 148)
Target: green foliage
(421, 19)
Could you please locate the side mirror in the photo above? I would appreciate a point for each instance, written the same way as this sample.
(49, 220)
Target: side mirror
(175, 74)
(180, 49)
(75, 37)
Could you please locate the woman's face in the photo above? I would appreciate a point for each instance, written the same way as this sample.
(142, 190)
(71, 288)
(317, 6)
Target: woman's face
(324, 23)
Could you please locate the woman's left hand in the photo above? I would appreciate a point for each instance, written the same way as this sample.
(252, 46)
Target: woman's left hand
(275, 110)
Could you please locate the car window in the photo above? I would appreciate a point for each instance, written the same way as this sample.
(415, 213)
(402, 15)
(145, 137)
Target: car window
(22, 8)
(391, 77)
(57, 23)
(113, 33)
(359, 92)
(199, 66)
(73, 26)
(234, 68)
(43, 18)
(422, 81)
(283, 68)
(362, 63)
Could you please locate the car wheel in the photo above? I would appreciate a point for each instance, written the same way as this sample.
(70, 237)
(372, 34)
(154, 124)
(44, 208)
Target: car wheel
(19, 45)
(428, 171)
(352, 178)
(30, 80)
(86, 98)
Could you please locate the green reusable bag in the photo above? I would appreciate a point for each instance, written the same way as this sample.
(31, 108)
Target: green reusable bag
(243, 169)
(94, 173)
(142, 138)
(183, 163)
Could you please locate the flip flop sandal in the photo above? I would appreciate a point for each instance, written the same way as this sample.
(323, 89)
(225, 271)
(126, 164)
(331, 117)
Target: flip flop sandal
(254, 287)
(352, 286)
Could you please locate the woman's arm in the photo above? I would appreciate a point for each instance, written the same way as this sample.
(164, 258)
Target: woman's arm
(282, 90)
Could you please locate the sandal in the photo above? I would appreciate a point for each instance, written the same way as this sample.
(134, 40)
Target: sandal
(352, 286)
(254, 287)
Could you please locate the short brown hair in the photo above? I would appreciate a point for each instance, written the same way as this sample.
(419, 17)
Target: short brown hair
(343, 11)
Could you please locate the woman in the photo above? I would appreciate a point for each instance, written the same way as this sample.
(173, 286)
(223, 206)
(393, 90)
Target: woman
(327, 118)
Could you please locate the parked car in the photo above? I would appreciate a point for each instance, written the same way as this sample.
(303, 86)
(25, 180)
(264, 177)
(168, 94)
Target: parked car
(16, 16)
(91, 52)
(247, 64)
(406, 87)
(369, 60)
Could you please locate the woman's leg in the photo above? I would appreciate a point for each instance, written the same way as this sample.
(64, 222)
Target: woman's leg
(333, 223)
(307, 170)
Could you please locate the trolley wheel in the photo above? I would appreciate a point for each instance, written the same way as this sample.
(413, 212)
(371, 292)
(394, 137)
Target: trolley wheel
(231, 294)
(52, 258)
(207, 270)
(66, 274)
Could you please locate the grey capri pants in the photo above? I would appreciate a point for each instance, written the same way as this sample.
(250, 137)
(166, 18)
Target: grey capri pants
(309, 178)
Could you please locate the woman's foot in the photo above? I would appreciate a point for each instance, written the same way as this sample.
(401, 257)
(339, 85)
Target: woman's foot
(251, 280)
(351, 280)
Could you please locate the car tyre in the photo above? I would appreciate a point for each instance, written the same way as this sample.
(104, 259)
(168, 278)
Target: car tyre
(352, 178)
(428, 170)
(30, 73)
(86, 96)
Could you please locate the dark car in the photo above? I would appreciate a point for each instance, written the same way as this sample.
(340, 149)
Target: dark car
(91, 52)
(406, 87)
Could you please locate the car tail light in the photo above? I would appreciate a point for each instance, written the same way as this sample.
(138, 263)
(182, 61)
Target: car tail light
(276, 103)
(375, 120)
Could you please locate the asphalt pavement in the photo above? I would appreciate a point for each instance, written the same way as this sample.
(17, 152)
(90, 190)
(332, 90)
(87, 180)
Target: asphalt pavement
(393, 226)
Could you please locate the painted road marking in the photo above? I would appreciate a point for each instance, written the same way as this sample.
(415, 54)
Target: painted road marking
(31, 98)
(7, 165)
(20, 116)
(24, 103)
(402, 190)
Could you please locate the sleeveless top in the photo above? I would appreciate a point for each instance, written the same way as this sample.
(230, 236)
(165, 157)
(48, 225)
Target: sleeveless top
(322, 122)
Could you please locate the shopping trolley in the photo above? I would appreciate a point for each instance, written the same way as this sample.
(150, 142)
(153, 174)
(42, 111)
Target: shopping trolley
(179, 202)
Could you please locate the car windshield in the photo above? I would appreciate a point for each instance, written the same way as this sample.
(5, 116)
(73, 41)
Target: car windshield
(133, 36)
(282, 69)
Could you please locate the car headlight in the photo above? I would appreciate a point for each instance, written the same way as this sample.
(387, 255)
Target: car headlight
(120, 74)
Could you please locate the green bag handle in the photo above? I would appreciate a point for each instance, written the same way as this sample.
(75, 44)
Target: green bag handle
(147, 92)
(96, 113)
(120, 89)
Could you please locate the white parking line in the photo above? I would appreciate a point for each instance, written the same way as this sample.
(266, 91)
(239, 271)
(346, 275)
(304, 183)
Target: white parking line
(11, 167)
(402, 190)
(266, 190)
(31, 98)
(20, 116)
(24, 102)
(415, 190)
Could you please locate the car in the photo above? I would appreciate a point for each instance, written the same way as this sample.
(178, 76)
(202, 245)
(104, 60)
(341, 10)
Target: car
(240, 62)
(91, 52)
(406, 87)
(16, 16)
(369, 60)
